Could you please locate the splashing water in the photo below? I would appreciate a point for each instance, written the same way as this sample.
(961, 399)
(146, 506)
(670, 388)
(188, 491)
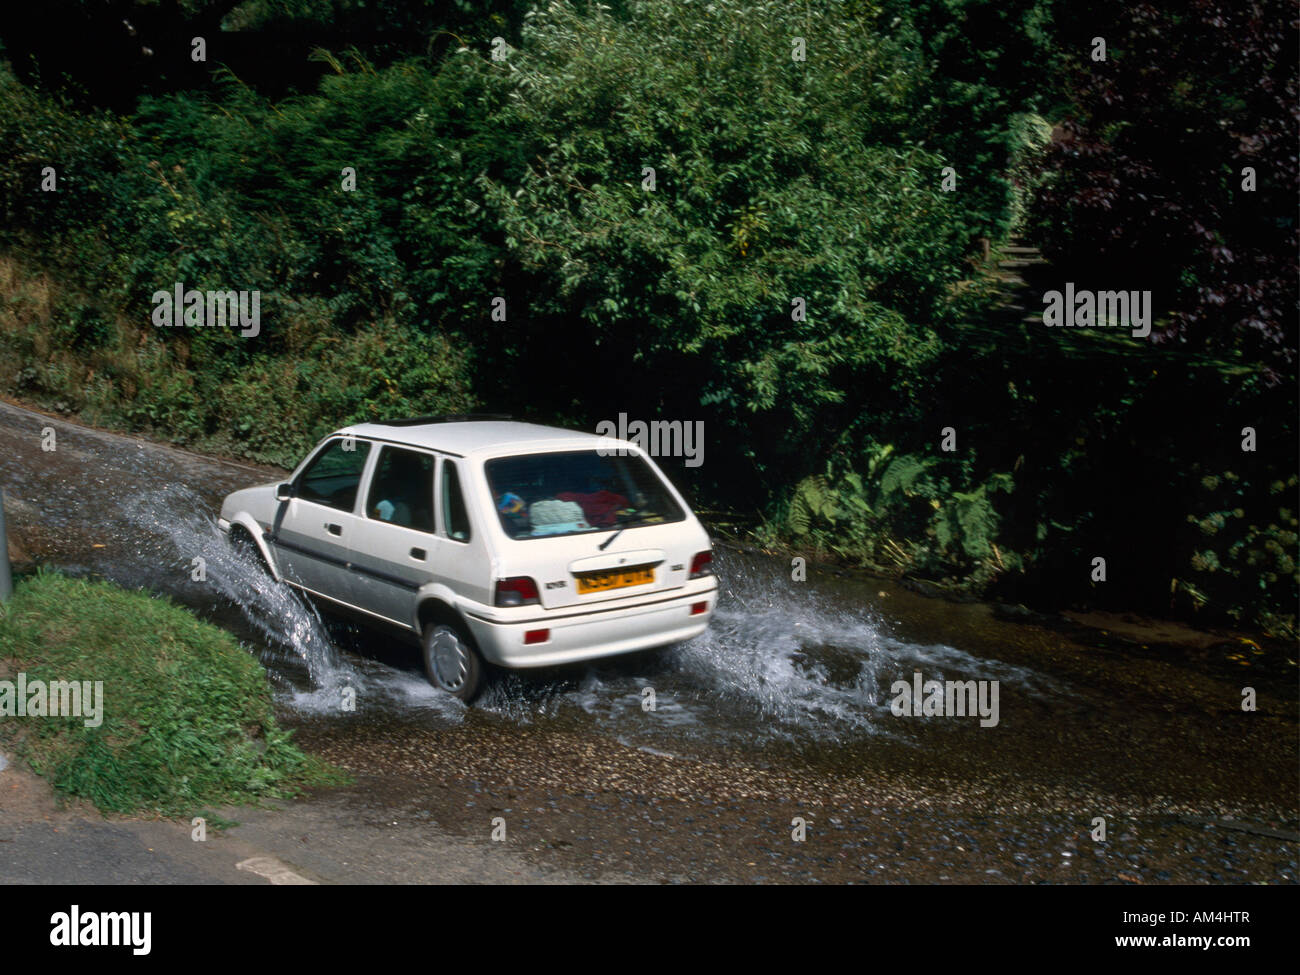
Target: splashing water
(175, 529)
(777, 661)
(804, 660)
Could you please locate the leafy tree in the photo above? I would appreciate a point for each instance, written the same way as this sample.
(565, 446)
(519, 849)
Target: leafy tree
(778, 184)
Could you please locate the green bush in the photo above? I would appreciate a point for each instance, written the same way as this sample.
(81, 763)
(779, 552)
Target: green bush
(901, 514)
(775, 180)
(1244, 562)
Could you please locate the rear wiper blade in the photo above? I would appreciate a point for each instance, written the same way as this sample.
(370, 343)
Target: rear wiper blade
(623, 523)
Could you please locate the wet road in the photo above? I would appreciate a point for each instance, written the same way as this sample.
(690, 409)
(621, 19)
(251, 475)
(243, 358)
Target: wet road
(781, 712)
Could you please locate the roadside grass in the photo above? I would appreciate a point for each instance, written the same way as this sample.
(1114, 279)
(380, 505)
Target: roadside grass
(187, 717)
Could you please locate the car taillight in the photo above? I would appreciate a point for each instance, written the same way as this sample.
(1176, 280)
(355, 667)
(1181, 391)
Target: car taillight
(537, 636)
(516, 591)
(702, 565)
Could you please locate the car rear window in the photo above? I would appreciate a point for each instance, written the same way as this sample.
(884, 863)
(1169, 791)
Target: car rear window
(545, 495)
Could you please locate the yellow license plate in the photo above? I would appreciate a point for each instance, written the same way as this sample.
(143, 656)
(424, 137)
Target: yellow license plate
(589, 582)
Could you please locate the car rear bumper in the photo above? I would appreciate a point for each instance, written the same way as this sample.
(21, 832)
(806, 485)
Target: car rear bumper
(595, 634)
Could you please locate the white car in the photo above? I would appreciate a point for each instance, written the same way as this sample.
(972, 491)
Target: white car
(490, 540)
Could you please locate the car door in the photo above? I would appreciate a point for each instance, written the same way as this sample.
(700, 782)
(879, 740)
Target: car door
(392, 547)
(312, 535)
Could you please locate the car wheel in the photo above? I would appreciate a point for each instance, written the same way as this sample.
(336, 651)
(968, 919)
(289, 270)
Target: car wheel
(451, 662)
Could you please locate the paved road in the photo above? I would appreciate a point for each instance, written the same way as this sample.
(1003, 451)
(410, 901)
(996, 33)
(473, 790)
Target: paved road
(317, 841)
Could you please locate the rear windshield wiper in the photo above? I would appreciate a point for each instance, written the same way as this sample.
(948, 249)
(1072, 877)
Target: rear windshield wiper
(622, 524)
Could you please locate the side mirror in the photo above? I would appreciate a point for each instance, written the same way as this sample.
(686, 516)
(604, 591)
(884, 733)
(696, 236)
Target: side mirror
(283, 492)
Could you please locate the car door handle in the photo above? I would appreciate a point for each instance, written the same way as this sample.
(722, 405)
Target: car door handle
(418, 553)
(334, 529)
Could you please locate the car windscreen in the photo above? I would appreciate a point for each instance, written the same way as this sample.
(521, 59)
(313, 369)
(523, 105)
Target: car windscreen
(545, 495)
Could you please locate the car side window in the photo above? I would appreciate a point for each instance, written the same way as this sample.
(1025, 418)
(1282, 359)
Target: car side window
(401, 491)
(332, 479)
(455, 519)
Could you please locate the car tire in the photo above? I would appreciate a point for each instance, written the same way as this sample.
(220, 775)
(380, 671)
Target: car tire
(451, 661)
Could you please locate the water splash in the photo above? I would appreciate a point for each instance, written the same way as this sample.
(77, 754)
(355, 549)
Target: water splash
(173, 528)
(802, 659)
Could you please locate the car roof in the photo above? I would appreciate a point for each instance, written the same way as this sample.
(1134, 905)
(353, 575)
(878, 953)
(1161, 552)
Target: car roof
(481, 437)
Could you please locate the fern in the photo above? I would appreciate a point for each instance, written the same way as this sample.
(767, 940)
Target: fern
(903, 474)
(812, 500)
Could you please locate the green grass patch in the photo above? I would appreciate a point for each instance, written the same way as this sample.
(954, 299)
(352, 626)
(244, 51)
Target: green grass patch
(187, 718)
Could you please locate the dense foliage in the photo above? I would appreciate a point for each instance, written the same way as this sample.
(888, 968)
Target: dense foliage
(1178, 164)
(1176, 171)
(791, 267)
